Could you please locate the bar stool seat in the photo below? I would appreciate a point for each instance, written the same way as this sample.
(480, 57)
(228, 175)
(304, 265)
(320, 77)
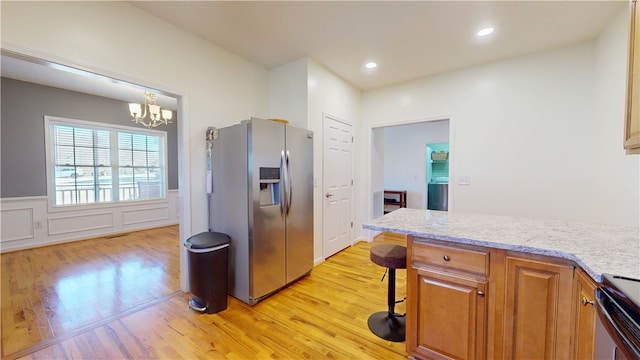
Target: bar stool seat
(389, 256)
(387, 324)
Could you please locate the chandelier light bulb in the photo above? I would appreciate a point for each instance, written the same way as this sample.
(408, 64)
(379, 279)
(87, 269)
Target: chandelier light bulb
(135, 109)
(167, 114)
(156, 115)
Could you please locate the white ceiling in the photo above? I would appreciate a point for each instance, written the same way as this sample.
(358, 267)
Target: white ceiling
(40, 72)
(408, 40)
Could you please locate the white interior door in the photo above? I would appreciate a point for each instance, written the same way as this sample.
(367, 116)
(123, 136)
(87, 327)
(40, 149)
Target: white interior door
(337, 221)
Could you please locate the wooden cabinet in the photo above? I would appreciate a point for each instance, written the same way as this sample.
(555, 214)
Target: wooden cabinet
(472, 302)
(446, 302)
(632, 121)
(394, 199)
(450, 317)
(537, 309)
(584, 315)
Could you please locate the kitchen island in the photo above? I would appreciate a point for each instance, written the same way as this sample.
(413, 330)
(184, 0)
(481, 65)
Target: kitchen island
(497, 287)
(596, 248)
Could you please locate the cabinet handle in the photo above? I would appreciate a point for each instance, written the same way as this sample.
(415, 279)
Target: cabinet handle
(446, 258)
(585, 302)
(328, 195)
(480, 293)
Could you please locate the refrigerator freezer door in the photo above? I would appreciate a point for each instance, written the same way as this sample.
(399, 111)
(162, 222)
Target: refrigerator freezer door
(266, 225)
(230, 203)
(299, 250)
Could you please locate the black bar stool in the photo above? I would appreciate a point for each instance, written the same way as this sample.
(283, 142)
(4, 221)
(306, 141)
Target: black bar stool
(387, 324)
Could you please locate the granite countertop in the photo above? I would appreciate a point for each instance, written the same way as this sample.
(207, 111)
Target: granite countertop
(596, 248)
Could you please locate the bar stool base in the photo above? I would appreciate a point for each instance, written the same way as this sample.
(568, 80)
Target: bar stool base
(388, 327)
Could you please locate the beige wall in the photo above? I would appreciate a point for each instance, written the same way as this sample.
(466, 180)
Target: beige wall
(539, 135)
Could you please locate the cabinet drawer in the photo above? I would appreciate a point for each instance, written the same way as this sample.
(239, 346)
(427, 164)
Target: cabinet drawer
(451, 258)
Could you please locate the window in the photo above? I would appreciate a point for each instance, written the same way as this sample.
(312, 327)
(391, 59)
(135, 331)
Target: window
(94, 163)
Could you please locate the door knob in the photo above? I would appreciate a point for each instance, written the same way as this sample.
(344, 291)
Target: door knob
(327, 195)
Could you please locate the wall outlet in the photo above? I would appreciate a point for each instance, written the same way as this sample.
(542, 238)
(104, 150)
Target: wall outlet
(464, 180)
(37, 224)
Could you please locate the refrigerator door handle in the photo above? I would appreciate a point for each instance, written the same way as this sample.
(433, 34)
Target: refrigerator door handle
(289, 182)
(283, 181)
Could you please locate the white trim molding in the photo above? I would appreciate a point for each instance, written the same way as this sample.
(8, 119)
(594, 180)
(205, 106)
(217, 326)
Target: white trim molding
(26, 222)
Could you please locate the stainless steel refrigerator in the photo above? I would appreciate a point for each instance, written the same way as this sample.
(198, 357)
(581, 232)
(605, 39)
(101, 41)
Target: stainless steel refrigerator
(263, 199)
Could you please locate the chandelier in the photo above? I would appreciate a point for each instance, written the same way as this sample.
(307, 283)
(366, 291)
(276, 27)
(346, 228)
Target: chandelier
(150, 114)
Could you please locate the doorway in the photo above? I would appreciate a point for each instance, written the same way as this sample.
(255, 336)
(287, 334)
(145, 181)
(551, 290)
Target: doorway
(399, 157)
(30, 67)
(437, 166)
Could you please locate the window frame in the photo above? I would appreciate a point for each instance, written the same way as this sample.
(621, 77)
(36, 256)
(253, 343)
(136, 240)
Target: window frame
(50, 121)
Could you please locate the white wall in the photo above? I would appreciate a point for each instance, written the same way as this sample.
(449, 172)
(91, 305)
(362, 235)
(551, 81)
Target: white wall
(405, 157)
(288, 92)
(377, 164)
(303, 89)
(616, 179)
(524, 133)
(328, 93)
(116, 39)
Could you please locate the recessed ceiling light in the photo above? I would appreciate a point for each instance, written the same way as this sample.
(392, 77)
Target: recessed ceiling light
(485, 31)
(371, 65)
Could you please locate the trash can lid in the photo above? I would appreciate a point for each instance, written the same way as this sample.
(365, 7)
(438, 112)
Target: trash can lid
(207, 240)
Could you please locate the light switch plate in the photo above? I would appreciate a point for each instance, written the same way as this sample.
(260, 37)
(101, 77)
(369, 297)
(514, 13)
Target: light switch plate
(464, 180)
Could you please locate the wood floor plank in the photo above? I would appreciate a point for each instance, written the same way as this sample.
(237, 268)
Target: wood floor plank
(50, 291)
(52, 352)
(322, 316)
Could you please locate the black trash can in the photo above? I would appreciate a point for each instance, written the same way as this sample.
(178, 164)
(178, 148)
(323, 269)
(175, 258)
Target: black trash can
(208, 271)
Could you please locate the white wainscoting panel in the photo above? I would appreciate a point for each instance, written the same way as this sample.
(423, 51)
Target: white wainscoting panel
(79, 222)
(17, 224)
(143, 215)
(27, 223)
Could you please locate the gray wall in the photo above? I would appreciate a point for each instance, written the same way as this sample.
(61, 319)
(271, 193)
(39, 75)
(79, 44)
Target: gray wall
(22, 142)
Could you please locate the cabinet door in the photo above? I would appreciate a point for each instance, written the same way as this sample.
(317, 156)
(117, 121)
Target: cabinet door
(584, 316)
(447, 317)
(538, 310)
(632, 123)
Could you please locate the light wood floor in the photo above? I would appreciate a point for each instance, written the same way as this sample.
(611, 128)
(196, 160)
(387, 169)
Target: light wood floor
(139, 312)
(50, 291)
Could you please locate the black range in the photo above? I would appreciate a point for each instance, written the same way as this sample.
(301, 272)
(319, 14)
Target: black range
(618, 306)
